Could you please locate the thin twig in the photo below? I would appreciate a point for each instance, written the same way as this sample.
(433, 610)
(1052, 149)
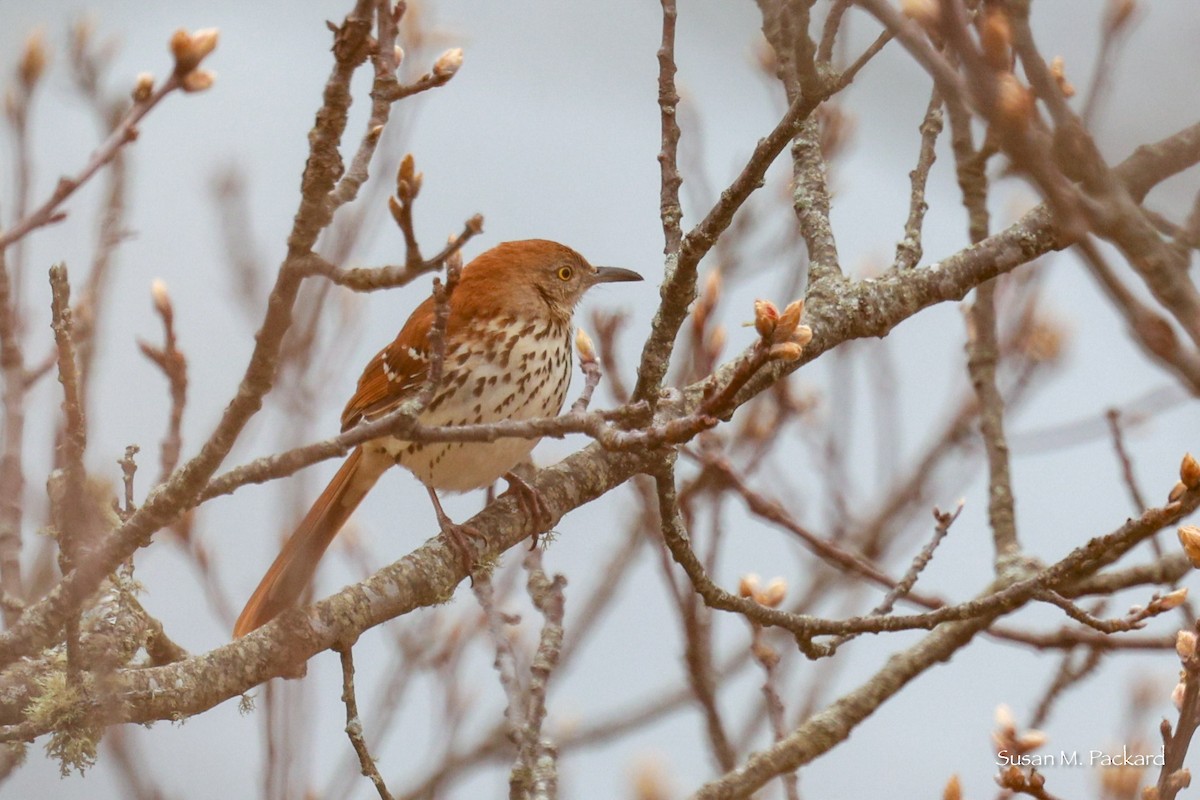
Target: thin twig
(68, 497)
(171, 361)
(354, 727)
(679, 285)
(921, 560)
(364, 279)
(12, 470)
(1135, 620)
(768, 659)
(125, 132)
(833, 23)
(983, 356)
(128, 470)
(909, 250)
(383, 59)
(535, 772)
(1172, 777)
(698, 657)
(668, 157)
(1114, 424)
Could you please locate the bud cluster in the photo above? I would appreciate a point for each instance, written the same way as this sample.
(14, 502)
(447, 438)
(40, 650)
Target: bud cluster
(1010, 744)
(770, 595)
(1186, 642)
(1012, 101)
(782, 332)
(1016, 781)
(189, 49)
(1006, 738)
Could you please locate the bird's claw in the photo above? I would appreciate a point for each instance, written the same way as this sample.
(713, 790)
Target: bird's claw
(531, 502)
(459, 537)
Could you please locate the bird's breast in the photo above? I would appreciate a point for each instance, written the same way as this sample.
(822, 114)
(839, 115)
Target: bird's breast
(508, 369)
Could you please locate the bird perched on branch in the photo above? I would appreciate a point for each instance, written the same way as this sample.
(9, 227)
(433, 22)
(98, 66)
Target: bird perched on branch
(507, 355)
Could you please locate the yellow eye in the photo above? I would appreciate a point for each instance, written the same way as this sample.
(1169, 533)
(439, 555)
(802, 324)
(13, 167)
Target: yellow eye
(565, 273)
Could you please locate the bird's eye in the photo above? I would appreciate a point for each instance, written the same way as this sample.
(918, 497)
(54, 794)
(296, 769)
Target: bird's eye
(565, 273)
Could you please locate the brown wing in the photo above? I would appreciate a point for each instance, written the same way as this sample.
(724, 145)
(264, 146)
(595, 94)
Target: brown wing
(395, 373)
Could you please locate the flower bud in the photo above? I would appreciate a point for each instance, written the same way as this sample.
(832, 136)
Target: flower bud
(143, 88)
(785, 351)
(766, 316)
(583, 343)
(1189, 472)
(1177, 491)
(406, 170)
(1189, 537)
(1014, 101)
(788, 320)
(448, 64)
(1185, 644)
(33, 59)
(198, 80)
(773, 593)
(802, 335)
(1177, 695)
(1030, 740)
(1173, 599)
(953, 789)
(190, 49)
(748, 585)
(162, 298)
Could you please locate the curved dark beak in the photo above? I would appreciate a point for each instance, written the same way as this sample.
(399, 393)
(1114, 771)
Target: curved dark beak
(614, 275)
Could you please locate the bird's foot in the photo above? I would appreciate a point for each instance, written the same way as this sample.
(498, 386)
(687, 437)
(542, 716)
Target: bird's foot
(531, 503)
(459, 537)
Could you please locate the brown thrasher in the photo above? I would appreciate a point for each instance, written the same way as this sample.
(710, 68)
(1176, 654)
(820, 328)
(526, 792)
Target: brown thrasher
(507, 356)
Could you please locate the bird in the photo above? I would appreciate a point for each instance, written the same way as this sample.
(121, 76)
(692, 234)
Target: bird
(507, 355)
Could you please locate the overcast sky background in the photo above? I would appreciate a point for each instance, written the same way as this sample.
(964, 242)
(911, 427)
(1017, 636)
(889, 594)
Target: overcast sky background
(551, 130)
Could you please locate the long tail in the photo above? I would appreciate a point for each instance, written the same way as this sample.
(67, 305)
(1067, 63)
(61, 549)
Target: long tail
(293, 569)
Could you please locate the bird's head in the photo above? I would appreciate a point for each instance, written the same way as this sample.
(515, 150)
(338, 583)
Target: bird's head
(534, 277)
